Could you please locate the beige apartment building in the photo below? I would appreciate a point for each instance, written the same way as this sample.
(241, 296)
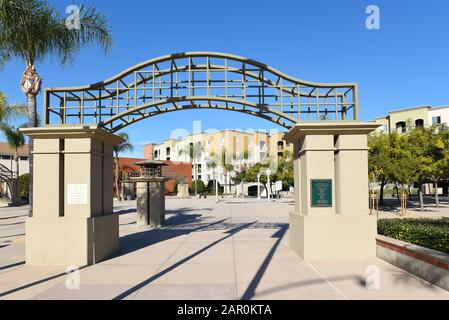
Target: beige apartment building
(239, 148)
(421, 116)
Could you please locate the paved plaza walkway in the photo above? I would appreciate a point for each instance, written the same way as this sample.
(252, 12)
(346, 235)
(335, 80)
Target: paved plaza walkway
(237, 249)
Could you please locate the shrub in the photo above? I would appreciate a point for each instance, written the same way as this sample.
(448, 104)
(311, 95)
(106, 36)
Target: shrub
(24, 185)
(200, 186)
(211, 188)
(175, 187)
(429, 233)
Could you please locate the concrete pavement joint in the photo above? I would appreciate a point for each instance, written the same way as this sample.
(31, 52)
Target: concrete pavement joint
(325, 279)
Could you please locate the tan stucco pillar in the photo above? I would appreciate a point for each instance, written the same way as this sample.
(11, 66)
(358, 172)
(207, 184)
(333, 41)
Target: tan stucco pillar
(73, 219)
(331, 218)
(183, 190)
(351, 188)
(151, 201)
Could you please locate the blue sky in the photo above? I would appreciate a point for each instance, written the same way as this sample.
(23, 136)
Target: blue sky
(404, 64)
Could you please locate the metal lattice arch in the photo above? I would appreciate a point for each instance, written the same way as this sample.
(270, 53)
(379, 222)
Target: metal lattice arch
(200, 80)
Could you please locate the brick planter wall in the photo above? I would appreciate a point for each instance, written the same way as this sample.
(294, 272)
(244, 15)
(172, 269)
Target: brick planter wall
(430, 265)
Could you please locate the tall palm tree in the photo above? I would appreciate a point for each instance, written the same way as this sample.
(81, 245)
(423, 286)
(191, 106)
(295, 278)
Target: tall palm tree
(16, 140)
(213, 166)
(228, 168)
(195, 150)
(32, 30)
(126, 146)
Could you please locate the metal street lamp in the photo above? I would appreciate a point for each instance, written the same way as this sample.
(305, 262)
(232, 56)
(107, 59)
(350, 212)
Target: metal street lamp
(216, 188)
(269, 185)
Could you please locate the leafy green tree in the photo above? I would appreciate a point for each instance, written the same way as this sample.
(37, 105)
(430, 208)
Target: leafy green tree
(253, 171)
(403, 164)
(240, 175)
(379, 161)
(439, 150)
(126, 146)
(420, 144)
(285, 171)
(33, 30)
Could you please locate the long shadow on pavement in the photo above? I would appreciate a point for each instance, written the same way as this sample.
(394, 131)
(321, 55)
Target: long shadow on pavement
(250, 291)
(176, 226)
(181, 262)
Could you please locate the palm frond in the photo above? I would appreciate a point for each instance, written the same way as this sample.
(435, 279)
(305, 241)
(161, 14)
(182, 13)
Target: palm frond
(32, 30)
(9, 111)
(14, 137)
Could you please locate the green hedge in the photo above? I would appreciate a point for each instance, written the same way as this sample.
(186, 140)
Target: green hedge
(429, 233)
(200, 187)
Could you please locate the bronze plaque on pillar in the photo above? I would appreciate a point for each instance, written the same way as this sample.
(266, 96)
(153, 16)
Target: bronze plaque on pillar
(321, 193)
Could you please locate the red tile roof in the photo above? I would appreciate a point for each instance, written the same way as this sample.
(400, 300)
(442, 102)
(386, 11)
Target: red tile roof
(6, 150)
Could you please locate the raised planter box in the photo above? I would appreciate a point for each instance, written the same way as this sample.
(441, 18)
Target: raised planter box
(430, 265)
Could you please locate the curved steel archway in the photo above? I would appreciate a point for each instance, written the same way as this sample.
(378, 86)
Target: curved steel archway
(200, 80)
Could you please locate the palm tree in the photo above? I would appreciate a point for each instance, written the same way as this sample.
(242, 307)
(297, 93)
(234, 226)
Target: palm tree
(228, 168)
(195, 150)
(213, 166)
(16, 140)
(126, 146)
(32, 30)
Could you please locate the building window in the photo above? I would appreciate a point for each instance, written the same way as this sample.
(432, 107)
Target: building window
(3, 157)
(280, 146)
(23, 158)
(401, 127)
(419, 123)
(436, 120)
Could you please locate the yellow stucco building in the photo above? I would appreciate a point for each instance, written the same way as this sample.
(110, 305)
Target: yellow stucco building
(402, 119)
(238, 147)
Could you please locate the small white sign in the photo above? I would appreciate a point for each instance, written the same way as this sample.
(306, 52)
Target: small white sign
(76, 194)
(278, 185)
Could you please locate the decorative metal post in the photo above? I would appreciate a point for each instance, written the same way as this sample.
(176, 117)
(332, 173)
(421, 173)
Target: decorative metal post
(269, 185)
(196, 179)
(216, 188)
